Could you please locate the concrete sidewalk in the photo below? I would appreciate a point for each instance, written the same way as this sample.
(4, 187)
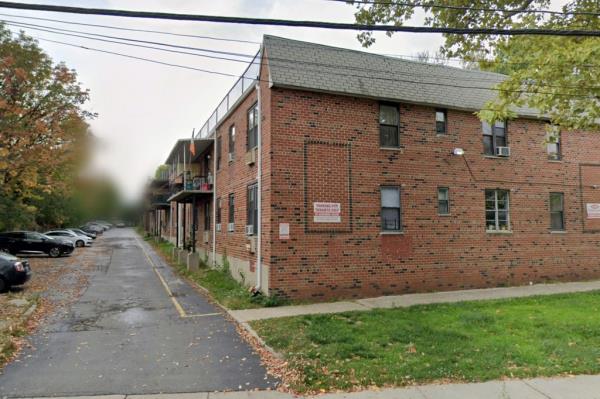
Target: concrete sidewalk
(398, 301)
(580, 387)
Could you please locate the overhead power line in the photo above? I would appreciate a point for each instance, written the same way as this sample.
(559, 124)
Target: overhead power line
(284, 62)
(409, 56)
(296, 23)
(70, 32)
(159, 32)
(292, 67)
(466, 8)
(137, 58)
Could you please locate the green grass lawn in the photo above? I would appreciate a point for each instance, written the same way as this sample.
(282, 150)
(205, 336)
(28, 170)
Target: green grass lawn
(472, 341)
(222, 286)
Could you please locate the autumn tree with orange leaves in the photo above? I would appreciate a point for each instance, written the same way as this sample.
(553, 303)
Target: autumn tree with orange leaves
(43, 128)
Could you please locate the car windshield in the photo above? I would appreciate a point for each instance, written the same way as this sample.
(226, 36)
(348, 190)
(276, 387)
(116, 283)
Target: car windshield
(5, 256)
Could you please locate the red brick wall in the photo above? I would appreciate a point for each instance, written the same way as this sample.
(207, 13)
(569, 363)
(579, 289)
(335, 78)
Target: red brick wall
(326, 148)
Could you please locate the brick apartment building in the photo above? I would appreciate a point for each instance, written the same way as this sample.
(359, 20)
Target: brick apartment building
(377, 178)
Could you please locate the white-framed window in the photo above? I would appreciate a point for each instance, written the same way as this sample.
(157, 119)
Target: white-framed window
(390, 209)
(497, 210)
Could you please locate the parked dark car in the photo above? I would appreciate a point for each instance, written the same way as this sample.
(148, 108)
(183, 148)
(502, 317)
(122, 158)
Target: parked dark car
(13, 271)
(15, 242)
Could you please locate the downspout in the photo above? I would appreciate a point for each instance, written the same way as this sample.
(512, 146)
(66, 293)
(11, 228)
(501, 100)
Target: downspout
(214, 208)
(259, 192)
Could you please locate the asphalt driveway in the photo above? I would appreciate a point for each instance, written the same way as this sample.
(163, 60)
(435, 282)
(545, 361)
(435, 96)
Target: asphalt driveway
(126, 335)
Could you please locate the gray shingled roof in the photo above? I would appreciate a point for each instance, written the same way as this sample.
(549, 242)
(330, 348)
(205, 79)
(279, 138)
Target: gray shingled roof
(304, 65)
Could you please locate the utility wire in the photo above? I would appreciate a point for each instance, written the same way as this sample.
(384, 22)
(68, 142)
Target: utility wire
(466, 8)
(298, 44)
(97, 37)
(131, 29)
(70, 31)
(296, 23)
(138, 58)
(317, 71)
(285, 63)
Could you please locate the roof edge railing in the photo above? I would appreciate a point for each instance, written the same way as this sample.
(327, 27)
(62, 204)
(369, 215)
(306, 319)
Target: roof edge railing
(241, 87)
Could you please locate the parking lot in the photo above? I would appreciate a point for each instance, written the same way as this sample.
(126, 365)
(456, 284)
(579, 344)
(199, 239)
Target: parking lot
(113, 328)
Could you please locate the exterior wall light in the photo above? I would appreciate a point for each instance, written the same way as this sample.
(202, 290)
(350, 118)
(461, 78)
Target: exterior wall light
(458, 151)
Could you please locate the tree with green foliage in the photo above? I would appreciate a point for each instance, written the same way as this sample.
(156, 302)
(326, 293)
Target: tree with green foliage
(557, 75)
(43, 130)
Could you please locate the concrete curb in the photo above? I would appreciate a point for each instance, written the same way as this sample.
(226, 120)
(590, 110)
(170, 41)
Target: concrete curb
(407, 300)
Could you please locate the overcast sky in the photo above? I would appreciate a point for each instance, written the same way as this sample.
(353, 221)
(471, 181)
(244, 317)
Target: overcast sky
(143, 108)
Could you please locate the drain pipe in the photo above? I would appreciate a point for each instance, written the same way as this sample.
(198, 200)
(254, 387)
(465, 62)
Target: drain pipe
(214, 207)
(259, 192)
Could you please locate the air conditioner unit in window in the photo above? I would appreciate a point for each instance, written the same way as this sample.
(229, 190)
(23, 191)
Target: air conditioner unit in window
(230, 226)
(503, 151)
(251, 156)
(230, 157)
(218, 226)
(252, 244)
(249, 230)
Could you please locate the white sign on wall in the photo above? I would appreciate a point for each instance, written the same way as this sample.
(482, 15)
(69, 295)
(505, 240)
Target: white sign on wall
(327, 212)
(593, 211)
(284, 231)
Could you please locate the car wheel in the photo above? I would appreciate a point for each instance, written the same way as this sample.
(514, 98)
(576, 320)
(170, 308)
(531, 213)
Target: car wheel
(79, 243)
(3, 285)
(54, 252)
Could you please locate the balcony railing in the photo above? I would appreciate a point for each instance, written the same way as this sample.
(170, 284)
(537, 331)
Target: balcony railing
(199, 183)
(243, 84)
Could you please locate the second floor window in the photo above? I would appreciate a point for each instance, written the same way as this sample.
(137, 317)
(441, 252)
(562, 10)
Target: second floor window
(218, 152)
(494, 136)
(231, 141)
(231, 209)
(553, 144)
(440, 121)
(443, 201)
(557, 211)
(497, 207)
(389, 126)
(252, 135)
(252, 206)
(390, 209)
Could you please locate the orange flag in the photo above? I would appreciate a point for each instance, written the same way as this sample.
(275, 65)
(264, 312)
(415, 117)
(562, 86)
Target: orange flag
(192, 145)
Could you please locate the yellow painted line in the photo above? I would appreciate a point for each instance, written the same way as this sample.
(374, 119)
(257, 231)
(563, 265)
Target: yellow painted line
(176, 303)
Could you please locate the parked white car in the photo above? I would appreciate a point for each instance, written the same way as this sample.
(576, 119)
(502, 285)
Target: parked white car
(76, 239)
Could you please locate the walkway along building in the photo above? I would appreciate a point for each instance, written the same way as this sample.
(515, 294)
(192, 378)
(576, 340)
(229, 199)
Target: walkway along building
(331, 173)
